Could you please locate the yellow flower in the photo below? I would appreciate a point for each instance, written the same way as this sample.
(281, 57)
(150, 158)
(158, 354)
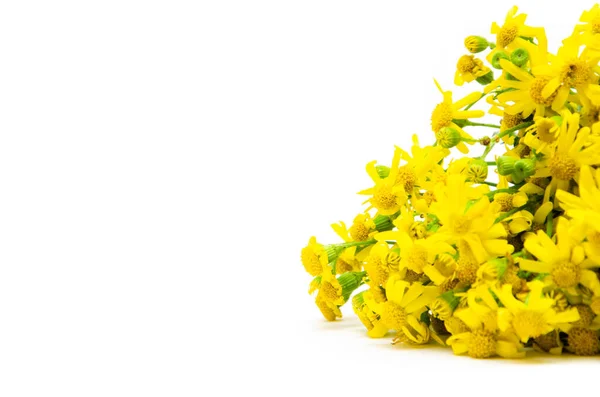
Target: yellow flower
(510, 34)
(380, 263)
(418, 164)
(564, 261)
(348, 261)
(526, 92)
(447, 112)
(483, 339)
(314, 257)
(405, 303)
(363, 227)
(416, 254)
(534, 317)
(330, 311)
(589, 32)
(542, 135)
(471, 223)
(570, 69)
(370, 319)
(469, 68)
(387, 197)
(585, 207)
(568, 155)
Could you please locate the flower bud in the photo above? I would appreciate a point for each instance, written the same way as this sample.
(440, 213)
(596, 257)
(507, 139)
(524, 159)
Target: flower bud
(448, 137)
(519, 57)
(497, 57)
(475, 44)
(383, 171)
(486, 78)
(477, 171)
(506, 165)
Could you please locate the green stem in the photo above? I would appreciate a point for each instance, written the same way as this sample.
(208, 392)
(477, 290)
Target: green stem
(507, 190)
(550, 225)
(496, 138)
(490, 162)
(356, 243)
(489, 183)
(470, 123)
(509, 213)
(469, 107)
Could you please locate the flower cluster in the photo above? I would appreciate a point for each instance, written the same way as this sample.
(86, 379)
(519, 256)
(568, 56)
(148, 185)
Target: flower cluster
(494, 254)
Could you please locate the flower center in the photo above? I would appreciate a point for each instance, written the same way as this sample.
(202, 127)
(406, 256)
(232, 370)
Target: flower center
(566, 274)
(393, 315)
(417, 259)
(583, 342)
(507, 34)
(327, 311)
(596, 25)
(466, 64)
(406, 177)
(378, 271)
(511, 120)
(466, 269)
(330, 292)
(529, 324)
(311, 261)
(462, 224)
(384, 198)
(548, 341)
(576, 72)
(505, 201)
(482, 344)
(441, 116)
(535, 91)
(586, 316)
(359, 232)
(563, 167)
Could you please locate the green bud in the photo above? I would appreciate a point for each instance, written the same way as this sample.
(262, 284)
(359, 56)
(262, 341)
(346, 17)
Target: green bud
(448, 137)
(506, 165)
(383, 171)
(477, 171)
(349, 282)
(486, 78)
(383, 223)
(519, 57)
(497, 57)
(475, 44)
(525, 167)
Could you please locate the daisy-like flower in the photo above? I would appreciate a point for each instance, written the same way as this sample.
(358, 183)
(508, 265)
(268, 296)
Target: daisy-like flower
(570, 69)
(370, 319)
(512, 32)
(534, 317)
(542, 135)
(482, 337)
(564, 262)
(418, 164)
(387, 196)
(589, 31)
(405, 303)
(472, 224)
(568, 155)
(416, 254)
(314, 257)
(380, 263)
(526, 94)
(447, 112)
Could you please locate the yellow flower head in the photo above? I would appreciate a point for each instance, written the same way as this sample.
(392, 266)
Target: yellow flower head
(534, 317)
(387, 196)
(447, 112)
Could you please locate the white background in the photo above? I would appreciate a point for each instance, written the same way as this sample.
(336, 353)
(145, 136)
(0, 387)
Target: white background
(162, 163)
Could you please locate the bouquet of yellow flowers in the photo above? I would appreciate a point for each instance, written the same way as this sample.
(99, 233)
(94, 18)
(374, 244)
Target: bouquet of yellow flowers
(490, 256)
